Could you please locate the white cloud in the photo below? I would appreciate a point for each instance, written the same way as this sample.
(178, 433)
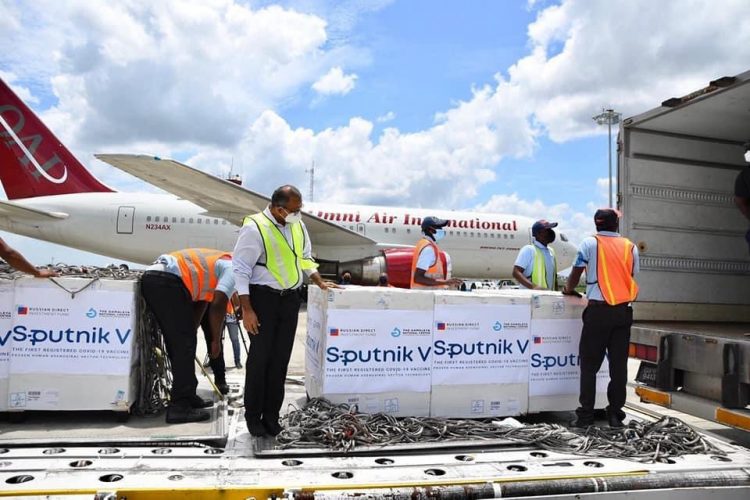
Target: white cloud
(389, 116)
(335, 82)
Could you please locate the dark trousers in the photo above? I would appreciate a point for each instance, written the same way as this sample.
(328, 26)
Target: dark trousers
(218, 366)
(172, 305)
(270, 350)
(606, 331)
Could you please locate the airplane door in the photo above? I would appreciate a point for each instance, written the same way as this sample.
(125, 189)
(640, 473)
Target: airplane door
(125, 217)
(361, 229)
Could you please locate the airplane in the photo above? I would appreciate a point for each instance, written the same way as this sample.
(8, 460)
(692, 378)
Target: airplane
(53, 197)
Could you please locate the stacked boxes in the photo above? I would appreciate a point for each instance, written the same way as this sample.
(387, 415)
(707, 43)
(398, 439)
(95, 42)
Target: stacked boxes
(370, 347)
(446, 354)
(72, 350)
(480, 356)
(554, 376)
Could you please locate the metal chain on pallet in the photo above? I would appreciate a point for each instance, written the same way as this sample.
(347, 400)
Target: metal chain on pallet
(341, 427)
(154, 371)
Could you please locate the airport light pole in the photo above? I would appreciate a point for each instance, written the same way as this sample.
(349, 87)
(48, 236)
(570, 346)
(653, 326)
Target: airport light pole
(610, 117)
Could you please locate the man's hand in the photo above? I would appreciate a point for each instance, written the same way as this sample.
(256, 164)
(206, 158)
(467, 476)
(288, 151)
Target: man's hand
(573, 292)
(454, 282)
(215, 348)
(46, 273)
(250, 322)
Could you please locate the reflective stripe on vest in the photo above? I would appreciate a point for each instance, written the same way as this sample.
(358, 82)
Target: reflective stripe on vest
(539, 269)
(614, 269)
(285, 262)
(435, 271)
(197, 270)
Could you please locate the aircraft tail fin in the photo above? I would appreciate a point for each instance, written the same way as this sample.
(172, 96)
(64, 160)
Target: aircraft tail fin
(33, 162)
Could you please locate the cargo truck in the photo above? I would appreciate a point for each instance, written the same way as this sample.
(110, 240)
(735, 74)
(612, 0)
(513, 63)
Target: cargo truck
(677, 165)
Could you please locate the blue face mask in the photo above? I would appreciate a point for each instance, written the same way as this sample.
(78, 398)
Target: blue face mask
(439, 234)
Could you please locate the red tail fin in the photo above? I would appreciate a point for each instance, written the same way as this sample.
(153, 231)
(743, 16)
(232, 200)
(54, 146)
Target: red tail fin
(33, 162)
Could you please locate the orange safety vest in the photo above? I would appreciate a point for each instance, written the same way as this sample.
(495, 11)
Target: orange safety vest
(614, 269)
(436, 271)
(197, 271)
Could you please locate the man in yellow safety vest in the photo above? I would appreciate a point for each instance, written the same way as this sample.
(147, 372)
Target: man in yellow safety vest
(536, 265)
(272, 255)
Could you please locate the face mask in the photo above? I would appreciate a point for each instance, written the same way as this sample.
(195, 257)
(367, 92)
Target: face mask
(747, 156)
(292, 217)
(439, 234)
(552, 236)
(383, 280)
(346, 280)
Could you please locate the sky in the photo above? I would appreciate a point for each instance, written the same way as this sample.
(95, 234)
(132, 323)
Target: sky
(482, 105)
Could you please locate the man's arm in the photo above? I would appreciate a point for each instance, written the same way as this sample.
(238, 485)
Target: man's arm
(744, 205)
(249, 318)
(17, 261)
(523, 280)
(419, 273)
(216, 312)
(573, 278)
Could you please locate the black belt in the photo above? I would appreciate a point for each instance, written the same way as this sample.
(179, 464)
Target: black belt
(594, 302)
(280, 293)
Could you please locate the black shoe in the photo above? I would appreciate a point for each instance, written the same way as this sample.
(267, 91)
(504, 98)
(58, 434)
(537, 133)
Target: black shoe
(182, 415)
(238, 365)
(614, 421)
(272, 426)
(223, 387)
(198, 402)
(256, 428)
(581, 423)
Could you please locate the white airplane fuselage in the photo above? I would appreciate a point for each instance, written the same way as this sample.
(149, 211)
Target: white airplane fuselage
(139, 226)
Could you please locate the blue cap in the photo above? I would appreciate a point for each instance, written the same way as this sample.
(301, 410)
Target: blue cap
(541, 225)
(431, 221)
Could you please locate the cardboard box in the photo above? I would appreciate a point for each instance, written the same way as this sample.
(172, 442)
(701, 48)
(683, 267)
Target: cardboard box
(370, 346)
(480, 355)
(554, 373)
(75, 349)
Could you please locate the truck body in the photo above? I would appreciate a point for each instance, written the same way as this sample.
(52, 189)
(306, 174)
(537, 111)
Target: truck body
(677, 166)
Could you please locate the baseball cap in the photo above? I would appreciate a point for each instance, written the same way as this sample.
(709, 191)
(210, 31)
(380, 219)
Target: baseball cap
(541, 225)
(607, 216)
(431, 221)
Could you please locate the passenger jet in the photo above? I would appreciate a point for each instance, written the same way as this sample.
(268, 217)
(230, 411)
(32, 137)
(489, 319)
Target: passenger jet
(52, 197)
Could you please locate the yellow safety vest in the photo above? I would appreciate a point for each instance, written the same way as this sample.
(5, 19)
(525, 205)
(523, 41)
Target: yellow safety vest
(285, 262)
(539, 268)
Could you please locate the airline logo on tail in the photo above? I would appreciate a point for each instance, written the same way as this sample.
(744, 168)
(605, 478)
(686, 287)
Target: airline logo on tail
(33, 162)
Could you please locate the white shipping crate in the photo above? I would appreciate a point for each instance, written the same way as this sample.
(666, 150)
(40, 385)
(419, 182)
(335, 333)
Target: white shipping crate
(480, 355)
(554, 377)
(6, 325)
(370, 346)
(73, 353)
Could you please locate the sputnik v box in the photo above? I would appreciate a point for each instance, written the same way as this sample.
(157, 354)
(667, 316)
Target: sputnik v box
(480, 355)
(72, 353)
(554, 378)
(370, 346)
(6, 324)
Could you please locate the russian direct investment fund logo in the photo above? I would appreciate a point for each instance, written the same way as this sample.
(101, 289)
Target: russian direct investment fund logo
(441, 326)
(333, 332)
(23, 310)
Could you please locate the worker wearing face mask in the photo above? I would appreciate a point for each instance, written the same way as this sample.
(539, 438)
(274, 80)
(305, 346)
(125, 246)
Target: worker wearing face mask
(536, 265)
(428, 269)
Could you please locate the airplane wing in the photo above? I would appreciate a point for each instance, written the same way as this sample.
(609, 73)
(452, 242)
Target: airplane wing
(221, 198)
(15, 210)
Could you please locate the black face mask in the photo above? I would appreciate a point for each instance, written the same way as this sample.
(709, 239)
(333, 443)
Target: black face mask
(383, 280)
(346, 280)
(552, 236)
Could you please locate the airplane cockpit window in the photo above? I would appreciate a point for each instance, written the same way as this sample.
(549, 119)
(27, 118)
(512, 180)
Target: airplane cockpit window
(563, 237)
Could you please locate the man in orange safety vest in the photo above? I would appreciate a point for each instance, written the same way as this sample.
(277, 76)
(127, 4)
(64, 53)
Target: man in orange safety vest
(428, 269)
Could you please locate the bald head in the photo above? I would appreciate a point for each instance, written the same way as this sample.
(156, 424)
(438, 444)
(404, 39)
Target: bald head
(284, 194)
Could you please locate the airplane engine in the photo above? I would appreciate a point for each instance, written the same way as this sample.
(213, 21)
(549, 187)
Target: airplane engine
(394, 262)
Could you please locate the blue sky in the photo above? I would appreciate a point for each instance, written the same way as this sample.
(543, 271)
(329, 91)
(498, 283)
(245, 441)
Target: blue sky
(478, 105)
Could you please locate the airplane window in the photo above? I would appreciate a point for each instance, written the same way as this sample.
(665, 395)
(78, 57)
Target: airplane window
(485, 235)
(166, 218)
(505, 236)
(200, 221)
(190, 220)
(351, 228)
(492, 235)
(472, 234)
(148, 219)
(393, 230)
(223, 222)
(156, 219)
(174, 219)
(182, 220)
(563, 237)
(512, 236)
(216, 221)
(408, 230)
(466, 234)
